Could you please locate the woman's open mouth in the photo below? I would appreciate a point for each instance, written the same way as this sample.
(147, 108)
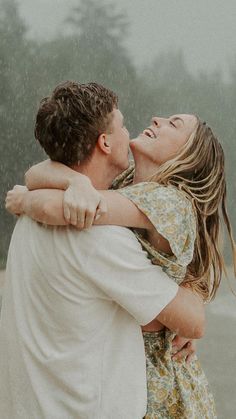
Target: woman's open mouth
(149, 133)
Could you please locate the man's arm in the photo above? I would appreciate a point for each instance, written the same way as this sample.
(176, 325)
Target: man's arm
(120, 267)
(185, 305)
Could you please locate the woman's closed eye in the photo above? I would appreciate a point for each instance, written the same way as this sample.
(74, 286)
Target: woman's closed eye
(172, 123)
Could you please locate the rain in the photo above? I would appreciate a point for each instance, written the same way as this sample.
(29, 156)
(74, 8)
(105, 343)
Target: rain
(161, 58)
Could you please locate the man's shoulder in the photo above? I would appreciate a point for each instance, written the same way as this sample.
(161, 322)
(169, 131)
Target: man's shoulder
(105, 240)
(109, 233)
(27, 224)
(112, 238)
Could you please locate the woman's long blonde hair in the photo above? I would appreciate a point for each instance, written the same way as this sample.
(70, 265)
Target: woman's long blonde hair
(199, 171)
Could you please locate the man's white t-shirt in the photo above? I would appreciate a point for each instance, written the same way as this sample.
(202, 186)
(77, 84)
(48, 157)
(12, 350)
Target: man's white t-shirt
(71, 345)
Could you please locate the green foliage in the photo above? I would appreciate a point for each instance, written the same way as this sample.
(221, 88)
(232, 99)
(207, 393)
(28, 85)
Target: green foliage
(92, 49)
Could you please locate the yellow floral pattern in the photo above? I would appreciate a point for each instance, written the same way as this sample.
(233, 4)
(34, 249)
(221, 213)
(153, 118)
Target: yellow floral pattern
(172, 215)
(176, 390)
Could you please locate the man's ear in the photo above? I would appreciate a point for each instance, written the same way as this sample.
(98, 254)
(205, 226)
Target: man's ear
(103, 143)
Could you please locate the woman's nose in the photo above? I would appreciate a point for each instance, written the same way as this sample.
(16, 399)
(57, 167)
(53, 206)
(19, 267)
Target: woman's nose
(156, 121)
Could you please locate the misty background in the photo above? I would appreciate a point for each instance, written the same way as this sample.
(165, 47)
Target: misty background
(161, 57)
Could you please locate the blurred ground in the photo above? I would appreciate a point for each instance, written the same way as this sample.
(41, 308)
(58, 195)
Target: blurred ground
(2, 276)
(217, 350)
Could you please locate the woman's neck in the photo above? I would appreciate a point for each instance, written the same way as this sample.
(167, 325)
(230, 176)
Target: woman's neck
(144, 170)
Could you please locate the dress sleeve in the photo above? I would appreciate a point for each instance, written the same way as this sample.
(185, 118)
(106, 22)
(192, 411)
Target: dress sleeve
(170, 212)
(125, 178)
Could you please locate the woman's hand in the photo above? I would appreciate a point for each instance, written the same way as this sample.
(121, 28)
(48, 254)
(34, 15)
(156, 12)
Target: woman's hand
(83, 204)
(183, 348)
(14, 202)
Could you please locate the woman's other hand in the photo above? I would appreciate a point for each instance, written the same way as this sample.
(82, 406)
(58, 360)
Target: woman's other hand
(83, 204)
(183, 348)
(14, 202)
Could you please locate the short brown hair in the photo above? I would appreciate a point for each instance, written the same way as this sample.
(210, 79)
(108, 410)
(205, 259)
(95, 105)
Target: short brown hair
(69, 122)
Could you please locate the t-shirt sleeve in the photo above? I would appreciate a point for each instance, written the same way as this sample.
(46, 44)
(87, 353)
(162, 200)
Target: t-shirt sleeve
(171, 214)
(118, 266)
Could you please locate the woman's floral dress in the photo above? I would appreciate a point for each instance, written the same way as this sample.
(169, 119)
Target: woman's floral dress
(175, 389)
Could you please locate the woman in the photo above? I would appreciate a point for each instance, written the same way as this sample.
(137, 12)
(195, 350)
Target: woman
(179, 184)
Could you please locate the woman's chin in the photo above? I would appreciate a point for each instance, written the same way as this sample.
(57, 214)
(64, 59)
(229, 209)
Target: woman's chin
(132, 142)
(135, 142)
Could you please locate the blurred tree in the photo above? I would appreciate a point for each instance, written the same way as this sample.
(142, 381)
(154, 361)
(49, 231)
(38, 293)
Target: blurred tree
(100, 54)
(172, 83)
(91, 48)
(16, 107)
(100, 31)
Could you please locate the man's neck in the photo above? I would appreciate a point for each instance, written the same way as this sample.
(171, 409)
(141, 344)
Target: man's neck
(100, 173)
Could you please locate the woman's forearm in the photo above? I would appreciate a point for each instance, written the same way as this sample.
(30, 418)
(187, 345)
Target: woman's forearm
(50, 174)
(122, 212)
(45, 206)
(81, 201)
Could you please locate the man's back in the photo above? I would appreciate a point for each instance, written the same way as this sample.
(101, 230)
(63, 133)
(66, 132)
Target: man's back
(65, 343)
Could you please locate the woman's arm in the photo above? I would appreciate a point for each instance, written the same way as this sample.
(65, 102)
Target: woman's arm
(43, 205)
(84, 201)
(50, 174)
(82, 204)
(46, 205)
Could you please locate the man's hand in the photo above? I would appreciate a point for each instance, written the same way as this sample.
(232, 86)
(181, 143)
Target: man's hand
(183, 348)
(83, 204)
(14, 202)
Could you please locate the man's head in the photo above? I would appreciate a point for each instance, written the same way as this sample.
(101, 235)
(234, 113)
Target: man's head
(70, 121)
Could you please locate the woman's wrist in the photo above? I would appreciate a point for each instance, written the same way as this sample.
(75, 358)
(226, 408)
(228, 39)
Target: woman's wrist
(26, 203)
(77, 180)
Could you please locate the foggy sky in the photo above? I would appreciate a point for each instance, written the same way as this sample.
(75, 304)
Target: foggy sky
(204, 29)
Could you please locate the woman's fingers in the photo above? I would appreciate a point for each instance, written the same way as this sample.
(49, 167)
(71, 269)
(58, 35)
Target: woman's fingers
(66, 212)
(191, 352)
(89, 217)
(78, 218)
(183, 349)
(73, 208)
(82, 210)
(93, 214)
(68, 204)
(14, 199)
(101, 209)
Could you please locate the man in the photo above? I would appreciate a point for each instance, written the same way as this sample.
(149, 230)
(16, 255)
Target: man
(71, 341)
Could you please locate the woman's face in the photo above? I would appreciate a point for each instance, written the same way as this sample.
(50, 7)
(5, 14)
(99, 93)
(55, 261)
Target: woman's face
(162, 140)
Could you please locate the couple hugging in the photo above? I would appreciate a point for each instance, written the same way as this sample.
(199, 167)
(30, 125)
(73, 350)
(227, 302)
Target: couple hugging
(98, 319)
